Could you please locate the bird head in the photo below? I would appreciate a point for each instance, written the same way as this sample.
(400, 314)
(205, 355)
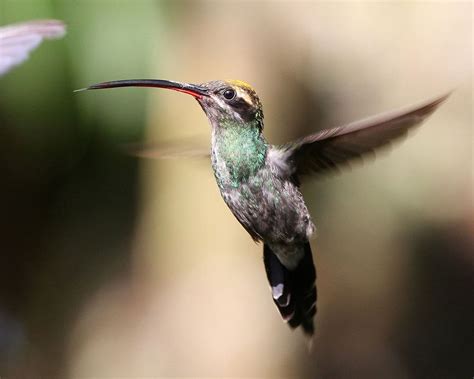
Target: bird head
(230, 102)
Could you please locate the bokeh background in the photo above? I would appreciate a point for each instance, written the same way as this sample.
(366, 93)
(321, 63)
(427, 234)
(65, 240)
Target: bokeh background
(113, 266)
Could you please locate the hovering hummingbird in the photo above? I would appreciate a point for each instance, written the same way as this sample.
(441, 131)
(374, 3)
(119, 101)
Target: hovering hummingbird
(260, 182)
(17, 40)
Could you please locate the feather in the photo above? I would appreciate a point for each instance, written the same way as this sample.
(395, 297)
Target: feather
(293, 290)
(330, 149)
(183, 148)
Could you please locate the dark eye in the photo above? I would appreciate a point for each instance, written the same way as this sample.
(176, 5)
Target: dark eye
(228, 94)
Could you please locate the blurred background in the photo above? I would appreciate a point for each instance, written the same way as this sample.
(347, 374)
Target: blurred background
(113, 266)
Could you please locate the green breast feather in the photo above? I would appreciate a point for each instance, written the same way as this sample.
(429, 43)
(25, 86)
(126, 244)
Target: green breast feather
(243, 149)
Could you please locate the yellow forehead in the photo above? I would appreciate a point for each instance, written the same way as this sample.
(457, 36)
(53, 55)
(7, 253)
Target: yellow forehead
(240, 84)
(245, 92)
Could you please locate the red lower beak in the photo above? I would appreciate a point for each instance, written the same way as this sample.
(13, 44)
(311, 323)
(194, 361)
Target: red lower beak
(190, 89)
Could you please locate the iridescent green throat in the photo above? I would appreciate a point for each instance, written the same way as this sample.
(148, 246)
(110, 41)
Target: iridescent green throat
(242, 149)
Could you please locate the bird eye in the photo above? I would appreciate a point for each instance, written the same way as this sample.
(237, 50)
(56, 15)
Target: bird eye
(229, 94)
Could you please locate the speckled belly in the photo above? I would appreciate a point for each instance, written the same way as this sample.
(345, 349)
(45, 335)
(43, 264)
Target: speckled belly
(270, 209)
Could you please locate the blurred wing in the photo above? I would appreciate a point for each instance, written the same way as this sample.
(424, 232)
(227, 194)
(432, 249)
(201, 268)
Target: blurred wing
(186, 148)
(17, 40)
(329, 149)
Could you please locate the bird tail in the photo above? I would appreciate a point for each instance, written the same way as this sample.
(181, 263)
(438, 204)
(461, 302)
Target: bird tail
(294, 291)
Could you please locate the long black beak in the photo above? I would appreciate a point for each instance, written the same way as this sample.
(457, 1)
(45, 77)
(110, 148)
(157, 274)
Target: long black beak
(190, 89)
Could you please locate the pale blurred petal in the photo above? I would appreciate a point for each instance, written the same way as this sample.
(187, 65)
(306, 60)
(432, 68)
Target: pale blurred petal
(16, 41)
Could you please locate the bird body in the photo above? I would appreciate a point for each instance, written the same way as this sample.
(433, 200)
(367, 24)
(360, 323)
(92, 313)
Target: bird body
(256, 184)
(260, 182)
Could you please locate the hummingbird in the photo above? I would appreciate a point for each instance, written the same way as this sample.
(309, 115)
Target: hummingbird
(260, 182)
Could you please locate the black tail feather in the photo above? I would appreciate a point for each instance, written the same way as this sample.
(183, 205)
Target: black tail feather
(294, 291)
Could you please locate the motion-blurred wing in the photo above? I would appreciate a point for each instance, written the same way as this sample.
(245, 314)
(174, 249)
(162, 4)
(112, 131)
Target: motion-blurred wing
(17, 40)
(330, 149)
(187, 148)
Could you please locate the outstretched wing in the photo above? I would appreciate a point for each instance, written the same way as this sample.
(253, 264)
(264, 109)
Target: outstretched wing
(17, 40)
(330, 149)
(183, 148)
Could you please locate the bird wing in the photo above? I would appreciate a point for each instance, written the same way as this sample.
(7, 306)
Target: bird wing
(330, 149)
(189, 147)
(17, 40)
